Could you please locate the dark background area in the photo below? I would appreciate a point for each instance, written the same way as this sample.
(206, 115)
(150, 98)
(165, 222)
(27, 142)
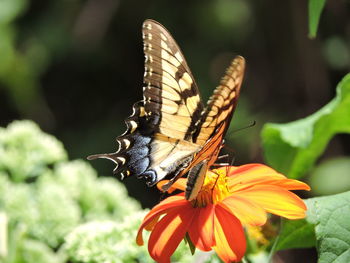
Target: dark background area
(76, 67)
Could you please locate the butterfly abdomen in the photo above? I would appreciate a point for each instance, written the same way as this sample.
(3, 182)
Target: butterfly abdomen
(195, 180)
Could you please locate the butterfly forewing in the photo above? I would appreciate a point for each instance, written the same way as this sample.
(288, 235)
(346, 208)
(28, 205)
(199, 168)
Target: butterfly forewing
(171, 96)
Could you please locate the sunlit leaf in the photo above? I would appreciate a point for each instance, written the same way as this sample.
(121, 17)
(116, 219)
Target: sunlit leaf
(315, 10)
(293, 148)
(328, 220)
(331, 217)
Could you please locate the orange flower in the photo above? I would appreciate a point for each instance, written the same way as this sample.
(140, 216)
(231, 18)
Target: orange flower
(229, 198)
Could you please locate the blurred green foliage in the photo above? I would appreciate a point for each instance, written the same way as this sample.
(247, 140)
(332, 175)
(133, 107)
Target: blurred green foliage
(294, 147)
(330, 177)
(26, 151)
(21, 65)
(115, 240)
(53, 210)
(336, 52)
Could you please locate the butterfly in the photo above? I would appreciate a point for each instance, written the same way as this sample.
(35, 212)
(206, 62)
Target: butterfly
(170, 132)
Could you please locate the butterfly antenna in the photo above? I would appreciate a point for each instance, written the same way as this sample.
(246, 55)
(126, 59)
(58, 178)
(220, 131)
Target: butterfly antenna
(243, 128)
(232, 150)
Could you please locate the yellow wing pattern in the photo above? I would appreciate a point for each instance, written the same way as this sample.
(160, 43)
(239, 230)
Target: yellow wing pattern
(170, 133)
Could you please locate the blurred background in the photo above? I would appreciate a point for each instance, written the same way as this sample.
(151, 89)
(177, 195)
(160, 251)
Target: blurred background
(75, 67)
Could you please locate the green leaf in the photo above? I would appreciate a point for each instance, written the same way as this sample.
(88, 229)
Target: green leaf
(329, 217)
(296, 234)
(190, 244)
(293, 148)
(315, 10)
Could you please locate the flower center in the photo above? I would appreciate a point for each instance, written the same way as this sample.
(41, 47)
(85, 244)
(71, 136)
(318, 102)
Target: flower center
(214, 189)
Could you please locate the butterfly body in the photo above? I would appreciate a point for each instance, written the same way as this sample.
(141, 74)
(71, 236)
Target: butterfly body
(170, 132)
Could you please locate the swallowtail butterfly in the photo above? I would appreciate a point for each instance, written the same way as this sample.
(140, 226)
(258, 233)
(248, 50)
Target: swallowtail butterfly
(170, 132)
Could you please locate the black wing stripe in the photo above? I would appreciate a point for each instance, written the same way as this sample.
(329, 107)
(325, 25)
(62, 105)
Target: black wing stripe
(152, 54)
(156, 43)
(175, 74)
(222, 104)
(165, 77)
(167, 70)
(152, 57)
(155, 50)
(156, 91)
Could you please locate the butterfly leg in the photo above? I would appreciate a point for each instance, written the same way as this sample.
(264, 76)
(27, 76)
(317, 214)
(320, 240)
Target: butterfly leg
(219, 158)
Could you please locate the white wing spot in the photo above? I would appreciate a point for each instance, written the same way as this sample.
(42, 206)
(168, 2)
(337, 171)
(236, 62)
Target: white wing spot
(133, 126)
(122, 159)
(127, 143)
(148, 26)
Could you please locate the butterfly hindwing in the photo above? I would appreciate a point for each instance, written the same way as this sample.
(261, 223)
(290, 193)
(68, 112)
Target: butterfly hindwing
(158, 141)
(215, 122)
(223, 102)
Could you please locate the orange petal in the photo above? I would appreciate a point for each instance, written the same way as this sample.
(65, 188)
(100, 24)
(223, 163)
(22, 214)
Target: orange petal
(179, 184)
(163, 207)
(169, 202)
(202, 229)
(263, 169)
(245, 176)
(152, 223)
(291, 184)
(229, 236)
(246, 211)
(275, 200)
(169, 232)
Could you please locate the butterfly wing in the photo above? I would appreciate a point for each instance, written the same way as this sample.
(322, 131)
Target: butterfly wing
(222, 103)
(159, 138)
(172, 100)
(215, 122)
